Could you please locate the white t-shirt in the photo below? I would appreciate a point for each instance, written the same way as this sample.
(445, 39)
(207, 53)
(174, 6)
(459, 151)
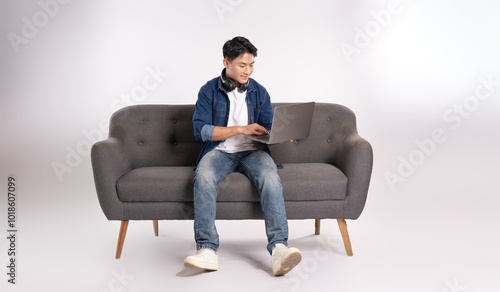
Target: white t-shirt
(238, 116)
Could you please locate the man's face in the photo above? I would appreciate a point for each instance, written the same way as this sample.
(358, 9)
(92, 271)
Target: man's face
(240, 69)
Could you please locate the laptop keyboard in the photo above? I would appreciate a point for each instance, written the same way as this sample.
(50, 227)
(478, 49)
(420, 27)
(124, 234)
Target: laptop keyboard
(262, 138)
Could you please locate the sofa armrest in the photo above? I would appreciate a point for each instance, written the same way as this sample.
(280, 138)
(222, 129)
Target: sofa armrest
(354, 158)
(109, 163)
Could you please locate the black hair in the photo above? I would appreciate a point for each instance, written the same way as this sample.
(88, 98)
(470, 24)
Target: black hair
(236, 47)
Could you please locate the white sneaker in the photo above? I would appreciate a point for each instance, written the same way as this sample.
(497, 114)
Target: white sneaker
(204, 258)
(284, 259)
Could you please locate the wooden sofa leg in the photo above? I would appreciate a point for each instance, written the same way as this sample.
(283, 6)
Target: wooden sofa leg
(345, 236)
(155, 226)
(317, 226)
(121, 238)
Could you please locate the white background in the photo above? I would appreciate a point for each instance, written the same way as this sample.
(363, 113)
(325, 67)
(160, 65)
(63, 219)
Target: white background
(65, 68)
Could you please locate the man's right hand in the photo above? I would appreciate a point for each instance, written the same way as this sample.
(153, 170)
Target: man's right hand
(221, 133)
(253, 129)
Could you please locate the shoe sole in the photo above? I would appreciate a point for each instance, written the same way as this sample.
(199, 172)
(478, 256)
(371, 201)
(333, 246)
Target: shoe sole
(201, 265)
(288, 262)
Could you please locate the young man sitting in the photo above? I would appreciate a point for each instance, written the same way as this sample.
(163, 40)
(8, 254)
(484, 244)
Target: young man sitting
(229, 107)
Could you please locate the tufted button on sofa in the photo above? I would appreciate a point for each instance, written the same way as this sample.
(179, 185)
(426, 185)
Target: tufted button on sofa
(144, 170)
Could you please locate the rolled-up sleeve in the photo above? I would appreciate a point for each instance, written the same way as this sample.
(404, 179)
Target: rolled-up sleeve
(206, 132)
(202, 117)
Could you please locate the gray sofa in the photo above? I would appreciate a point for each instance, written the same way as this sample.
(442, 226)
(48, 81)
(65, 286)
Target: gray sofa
(144, 170)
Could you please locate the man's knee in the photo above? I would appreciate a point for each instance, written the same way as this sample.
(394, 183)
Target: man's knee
(206, 172)
(265, 161)
(204, 177)
(269, 179)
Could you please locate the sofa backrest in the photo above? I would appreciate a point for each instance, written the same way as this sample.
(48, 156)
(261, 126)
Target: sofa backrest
(162, 135)
(331, 123)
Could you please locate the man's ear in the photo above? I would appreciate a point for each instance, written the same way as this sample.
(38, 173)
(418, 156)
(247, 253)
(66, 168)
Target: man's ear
(226, 63)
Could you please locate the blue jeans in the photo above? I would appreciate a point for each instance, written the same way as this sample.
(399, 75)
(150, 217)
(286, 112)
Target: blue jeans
(261, 170)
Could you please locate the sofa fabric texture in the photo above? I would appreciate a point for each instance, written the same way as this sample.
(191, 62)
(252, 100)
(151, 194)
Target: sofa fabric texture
(144, 169)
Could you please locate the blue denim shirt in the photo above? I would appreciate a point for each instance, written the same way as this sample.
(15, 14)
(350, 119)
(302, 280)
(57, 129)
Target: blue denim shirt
(212, 109)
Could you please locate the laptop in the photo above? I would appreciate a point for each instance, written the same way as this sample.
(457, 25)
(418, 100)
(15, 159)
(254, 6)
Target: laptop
(290, 122)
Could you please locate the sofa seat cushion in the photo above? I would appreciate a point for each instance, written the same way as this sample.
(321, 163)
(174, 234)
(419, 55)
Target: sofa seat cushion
(312, 182)
(301, 182)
